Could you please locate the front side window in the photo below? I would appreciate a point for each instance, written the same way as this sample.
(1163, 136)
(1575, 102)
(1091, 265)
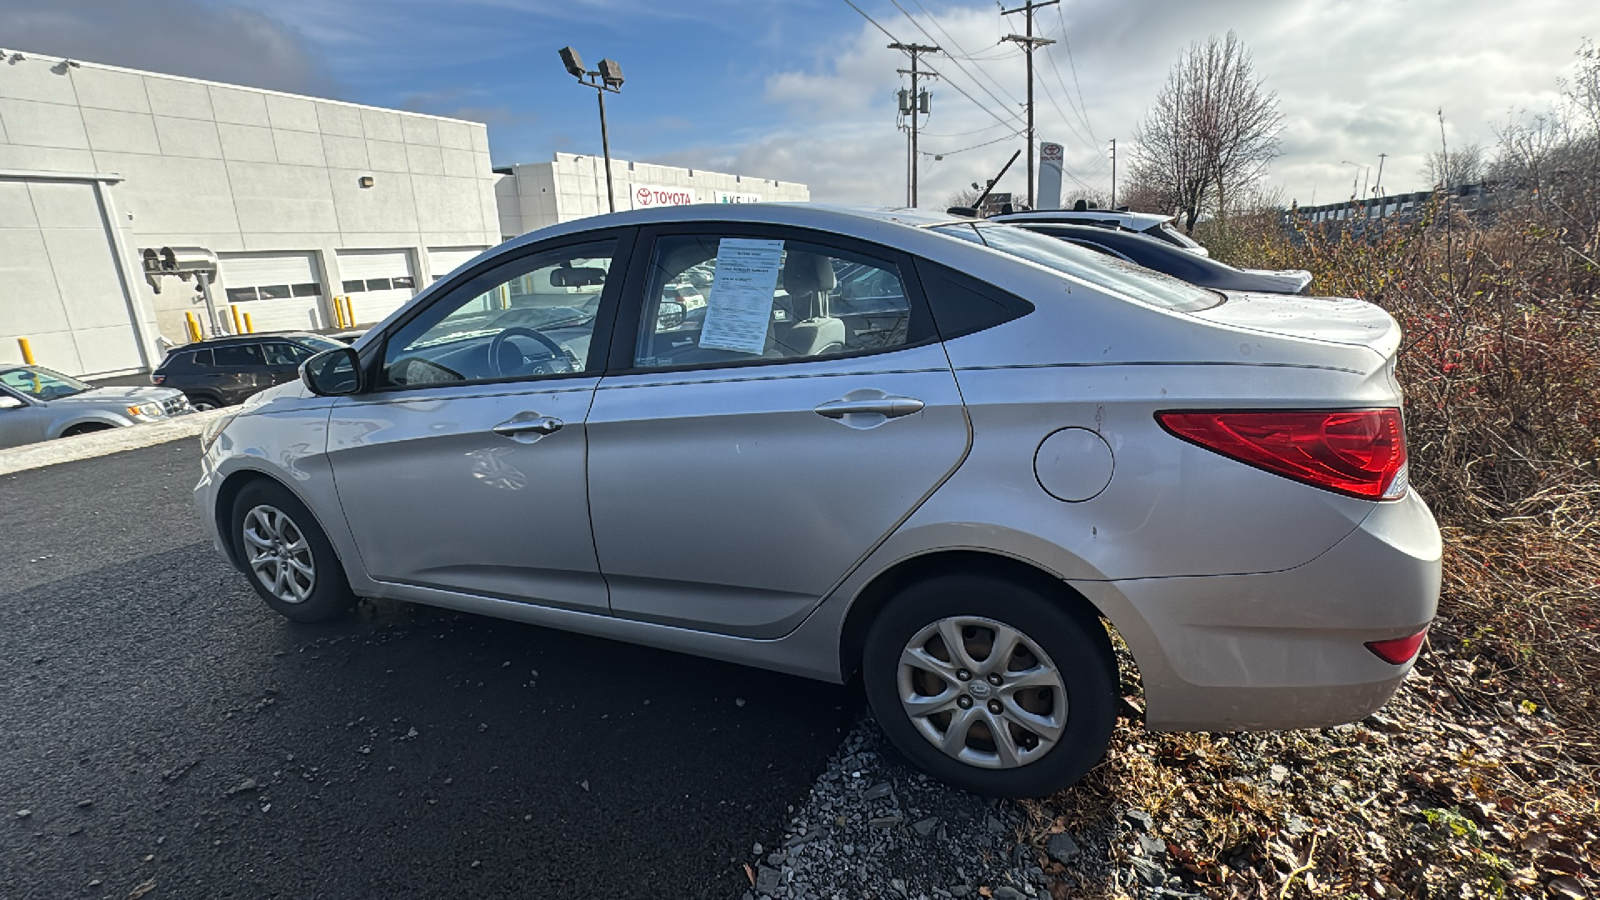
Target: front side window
(1125, 278)
(531, 317)
(280, 353)
(238, 356)
(717, 299)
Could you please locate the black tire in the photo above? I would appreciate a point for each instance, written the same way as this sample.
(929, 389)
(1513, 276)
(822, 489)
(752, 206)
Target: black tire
(326, 592)
(86, 428)
(203, 402)
(1075, 644)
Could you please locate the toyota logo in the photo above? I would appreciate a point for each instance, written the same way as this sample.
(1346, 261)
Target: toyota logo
(643, 196)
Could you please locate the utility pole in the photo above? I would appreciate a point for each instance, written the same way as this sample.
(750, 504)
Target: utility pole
(1113, 173)
(1378, 188)
(1029, 43)
(914, 103)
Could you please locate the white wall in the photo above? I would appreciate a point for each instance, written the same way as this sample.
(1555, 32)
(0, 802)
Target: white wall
(535, 195)
(239, 169)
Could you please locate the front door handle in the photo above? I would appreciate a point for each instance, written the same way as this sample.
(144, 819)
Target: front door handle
(529, 423)
(888, 407)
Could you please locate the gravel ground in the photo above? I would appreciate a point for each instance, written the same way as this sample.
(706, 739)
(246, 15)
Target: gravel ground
(874, 827)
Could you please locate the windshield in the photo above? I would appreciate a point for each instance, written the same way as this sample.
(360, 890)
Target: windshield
(1108, 272)
(42, 384)
(318, 343)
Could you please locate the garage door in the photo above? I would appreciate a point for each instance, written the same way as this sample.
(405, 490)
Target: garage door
(280, 291)
(59, 274)
(444, 260)
(376, 281)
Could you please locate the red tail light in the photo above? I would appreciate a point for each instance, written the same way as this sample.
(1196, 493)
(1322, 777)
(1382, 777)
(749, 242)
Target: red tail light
(1358, 452)
(1399, 651)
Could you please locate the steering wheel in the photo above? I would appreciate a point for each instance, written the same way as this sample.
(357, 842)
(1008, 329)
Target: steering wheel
(497, 345)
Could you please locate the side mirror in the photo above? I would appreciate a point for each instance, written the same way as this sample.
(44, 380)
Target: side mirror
(333, 373)
(670, 315)
(9, 402)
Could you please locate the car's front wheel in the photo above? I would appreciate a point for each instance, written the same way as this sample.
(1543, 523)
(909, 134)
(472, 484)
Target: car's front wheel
(991, 685)
(289, 559)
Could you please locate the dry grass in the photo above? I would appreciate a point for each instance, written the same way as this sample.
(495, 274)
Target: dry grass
(1482, 776)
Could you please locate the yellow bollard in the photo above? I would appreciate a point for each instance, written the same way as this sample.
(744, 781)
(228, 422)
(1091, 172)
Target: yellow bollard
(249, 326)
(194, 327)
(338, 314)
(350, 311)
(27, 351)
(237, 328)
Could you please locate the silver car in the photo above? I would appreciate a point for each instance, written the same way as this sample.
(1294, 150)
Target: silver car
(962, 486)
(38, 404)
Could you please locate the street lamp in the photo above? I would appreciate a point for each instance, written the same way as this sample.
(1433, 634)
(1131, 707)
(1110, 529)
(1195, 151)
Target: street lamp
(608, 78)
(1355, 180)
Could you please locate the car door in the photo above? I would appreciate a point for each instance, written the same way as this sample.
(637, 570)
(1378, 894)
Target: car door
(21, 420)
(744, 457)
(283, 361)
(240, 370)
(463, 468)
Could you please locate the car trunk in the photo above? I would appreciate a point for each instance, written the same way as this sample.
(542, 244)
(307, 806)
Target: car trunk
(1333, 320)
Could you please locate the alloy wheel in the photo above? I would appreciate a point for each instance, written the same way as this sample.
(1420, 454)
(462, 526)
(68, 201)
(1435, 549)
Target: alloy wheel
(279, 554)
(982, 692)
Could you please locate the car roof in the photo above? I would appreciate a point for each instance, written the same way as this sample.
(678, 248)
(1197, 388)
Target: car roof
(1138, 221)
(245, 339)
(859, 221)
(1098, 231)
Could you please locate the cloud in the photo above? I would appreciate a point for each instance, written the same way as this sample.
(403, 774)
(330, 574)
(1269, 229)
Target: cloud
(180, 37)
(1353, 81)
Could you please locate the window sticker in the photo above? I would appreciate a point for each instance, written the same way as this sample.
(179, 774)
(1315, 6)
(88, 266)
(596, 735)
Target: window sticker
(740, 308)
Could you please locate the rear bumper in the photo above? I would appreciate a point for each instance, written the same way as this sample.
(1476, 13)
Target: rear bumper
(1282, 649)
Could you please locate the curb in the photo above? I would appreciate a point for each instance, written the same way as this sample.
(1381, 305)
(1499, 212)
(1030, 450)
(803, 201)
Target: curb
(105, 443)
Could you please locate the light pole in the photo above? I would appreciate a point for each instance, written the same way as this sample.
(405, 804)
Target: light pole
(609, 78)
(1354, 193)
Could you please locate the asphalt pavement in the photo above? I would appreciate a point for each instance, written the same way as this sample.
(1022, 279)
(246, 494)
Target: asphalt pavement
(163, 734)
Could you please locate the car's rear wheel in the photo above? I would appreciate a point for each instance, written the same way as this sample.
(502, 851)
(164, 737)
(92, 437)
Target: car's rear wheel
(289, 560)
(991, 685)
(203, 403)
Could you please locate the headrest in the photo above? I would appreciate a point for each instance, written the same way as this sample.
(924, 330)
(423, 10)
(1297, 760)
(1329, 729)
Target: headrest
(807, 273)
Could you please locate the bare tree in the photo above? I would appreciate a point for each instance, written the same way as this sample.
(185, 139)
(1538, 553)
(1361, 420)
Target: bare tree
(1211, 132)
(1463, 165)
(964, 198)
(1092, 199)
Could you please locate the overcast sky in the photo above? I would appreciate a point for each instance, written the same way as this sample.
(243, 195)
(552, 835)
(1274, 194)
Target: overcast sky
(803, 90)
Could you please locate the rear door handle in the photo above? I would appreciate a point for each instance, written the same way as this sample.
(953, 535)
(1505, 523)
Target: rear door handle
(521, 425)
(877, 403)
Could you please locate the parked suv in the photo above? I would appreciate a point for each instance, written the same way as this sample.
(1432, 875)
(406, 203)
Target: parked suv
(224, 371)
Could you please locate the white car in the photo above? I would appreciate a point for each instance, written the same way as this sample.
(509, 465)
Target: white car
(952, 478)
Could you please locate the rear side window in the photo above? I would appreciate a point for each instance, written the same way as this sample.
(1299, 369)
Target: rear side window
(179, 362)
(202, 359)
(964, 305)
(238, 356)
(1125, 278)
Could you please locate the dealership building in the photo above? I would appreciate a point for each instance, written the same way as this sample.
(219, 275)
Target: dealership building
(533, 195)
(295, 201)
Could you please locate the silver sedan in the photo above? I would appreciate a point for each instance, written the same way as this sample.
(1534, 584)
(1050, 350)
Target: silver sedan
(960, 459)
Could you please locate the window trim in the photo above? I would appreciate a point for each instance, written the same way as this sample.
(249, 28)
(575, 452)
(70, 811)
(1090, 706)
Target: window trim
(625, 333)
(372, 355)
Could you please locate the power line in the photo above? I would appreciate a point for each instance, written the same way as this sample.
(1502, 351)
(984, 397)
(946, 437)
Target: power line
(1073, 65)
(981, 86)
(952, 84)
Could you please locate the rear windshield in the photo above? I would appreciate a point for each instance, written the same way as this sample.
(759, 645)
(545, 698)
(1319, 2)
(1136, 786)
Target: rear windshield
(1108, 272)
(1173, 235)
(319, 343)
